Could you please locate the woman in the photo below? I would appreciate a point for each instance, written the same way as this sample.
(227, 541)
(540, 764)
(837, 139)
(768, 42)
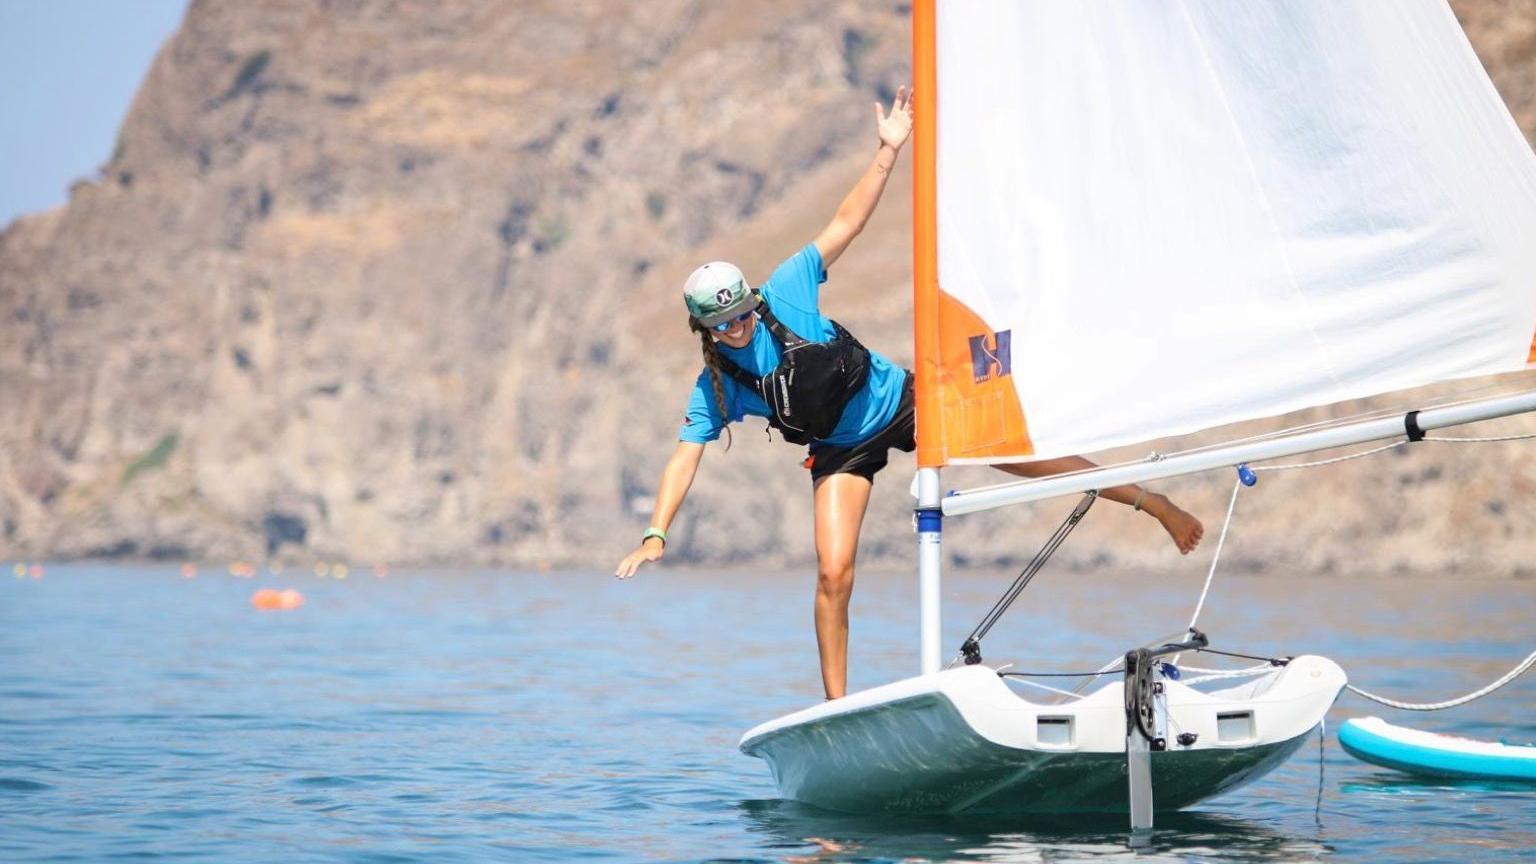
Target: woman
(850, 404)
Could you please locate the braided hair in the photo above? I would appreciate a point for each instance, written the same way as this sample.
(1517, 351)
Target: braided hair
(712, 362)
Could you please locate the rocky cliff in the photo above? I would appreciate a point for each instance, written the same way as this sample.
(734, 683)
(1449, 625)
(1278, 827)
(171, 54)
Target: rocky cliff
(396, 282)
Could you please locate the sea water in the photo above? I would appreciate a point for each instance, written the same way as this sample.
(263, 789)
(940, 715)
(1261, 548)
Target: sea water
(512, 716)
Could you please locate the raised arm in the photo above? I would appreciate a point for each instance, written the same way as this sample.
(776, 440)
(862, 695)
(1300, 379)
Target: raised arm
(675, 480)
(893, 129)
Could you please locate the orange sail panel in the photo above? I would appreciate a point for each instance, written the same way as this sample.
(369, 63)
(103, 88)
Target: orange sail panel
(978, 402)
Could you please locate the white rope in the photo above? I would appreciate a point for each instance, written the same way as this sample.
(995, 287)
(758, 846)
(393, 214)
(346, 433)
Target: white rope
(1211, 574)
(1471, 396)
(1373, 451)
(1468, 397)
(1230, 673)
(1243, 671)
(1204, 678)
(1450, 703)
(1043, 686)
(1398, 443)
(1480, 440)
(1334, 460)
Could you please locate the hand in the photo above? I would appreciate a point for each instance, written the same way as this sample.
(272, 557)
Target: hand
(894, 127)
(650, 549)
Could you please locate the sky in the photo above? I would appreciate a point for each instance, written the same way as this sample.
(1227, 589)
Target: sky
(68, 71)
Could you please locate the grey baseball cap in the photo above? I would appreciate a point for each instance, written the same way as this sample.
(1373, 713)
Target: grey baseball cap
(718, 292)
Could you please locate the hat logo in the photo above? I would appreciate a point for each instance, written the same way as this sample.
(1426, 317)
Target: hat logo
(723, 296)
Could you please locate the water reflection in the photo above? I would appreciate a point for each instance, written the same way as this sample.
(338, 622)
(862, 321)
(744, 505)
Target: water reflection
(1393, 783)
(799, 833)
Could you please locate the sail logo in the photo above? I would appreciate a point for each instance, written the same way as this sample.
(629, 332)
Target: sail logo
(991, 358)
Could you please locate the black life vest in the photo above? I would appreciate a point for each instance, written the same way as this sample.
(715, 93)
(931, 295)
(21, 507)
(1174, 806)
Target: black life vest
(814, 381)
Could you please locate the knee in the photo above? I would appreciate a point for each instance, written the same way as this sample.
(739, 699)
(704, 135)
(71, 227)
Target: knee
(835, 578)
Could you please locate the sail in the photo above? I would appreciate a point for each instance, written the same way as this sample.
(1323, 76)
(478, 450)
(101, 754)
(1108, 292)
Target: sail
(1136, 220)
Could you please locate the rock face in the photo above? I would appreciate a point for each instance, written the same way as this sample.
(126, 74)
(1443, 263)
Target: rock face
(396, 282)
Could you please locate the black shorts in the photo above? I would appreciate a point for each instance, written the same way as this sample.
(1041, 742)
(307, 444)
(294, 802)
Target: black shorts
(869, 456)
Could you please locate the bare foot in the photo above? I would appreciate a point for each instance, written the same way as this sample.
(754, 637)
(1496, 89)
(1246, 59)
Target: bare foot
(1185, 529)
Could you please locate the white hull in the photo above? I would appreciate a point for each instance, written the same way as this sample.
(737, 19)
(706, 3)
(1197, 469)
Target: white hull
(962, 740)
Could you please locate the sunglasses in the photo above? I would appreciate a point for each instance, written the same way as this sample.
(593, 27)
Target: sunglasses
(726, 325)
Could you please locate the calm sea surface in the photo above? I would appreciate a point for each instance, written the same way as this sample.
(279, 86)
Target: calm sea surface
(474, 716)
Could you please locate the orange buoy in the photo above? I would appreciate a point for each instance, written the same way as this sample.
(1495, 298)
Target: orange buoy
(268, 599)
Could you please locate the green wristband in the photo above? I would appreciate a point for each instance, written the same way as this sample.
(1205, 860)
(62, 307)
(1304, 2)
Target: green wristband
(654, 532)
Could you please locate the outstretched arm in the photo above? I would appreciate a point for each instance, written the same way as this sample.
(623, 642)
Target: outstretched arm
(675, 480)
(1184, 528)
(893, 129)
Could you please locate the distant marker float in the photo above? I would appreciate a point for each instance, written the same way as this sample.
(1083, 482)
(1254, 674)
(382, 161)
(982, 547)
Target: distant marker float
(271, 599)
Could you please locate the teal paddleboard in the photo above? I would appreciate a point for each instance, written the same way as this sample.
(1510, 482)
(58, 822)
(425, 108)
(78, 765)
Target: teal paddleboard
(1376, 741)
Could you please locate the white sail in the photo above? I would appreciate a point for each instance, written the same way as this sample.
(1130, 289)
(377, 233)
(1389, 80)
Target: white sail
(1154, 218)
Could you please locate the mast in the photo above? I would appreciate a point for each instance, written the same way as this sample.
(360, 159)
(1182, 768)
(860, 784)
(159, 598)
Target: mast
(925, 324)
(1178, 464)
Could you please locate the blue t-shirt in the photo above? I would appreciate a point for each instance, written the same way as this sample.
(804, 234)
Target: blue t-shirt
(793, 292)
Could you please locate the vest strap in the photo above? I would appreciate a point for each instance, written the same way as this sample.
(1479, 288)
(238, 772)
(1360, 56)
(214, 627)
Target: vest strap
(787, 337)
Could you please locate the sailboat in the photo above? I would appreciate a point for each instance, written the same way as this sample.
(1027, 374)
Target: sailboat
(1138, 220)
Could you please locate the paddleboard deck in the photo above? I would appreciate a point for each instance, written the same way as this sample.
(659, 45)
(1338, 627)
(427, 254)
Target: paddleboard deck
(1415, 751)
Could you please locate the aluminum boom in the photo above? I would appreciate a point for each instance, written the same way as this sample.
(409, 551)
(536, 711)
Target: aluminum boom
(1235, 454)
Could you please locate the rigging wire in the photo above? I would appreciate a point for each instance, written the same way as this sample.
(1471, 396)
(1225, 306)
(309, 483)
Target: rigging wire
(1273, 661)
(970, 650)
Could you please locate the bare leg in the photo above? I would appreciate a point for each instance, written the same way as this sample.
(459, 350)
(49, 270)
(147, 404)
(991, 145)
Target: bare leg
(1184, 528)
(840, 503)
